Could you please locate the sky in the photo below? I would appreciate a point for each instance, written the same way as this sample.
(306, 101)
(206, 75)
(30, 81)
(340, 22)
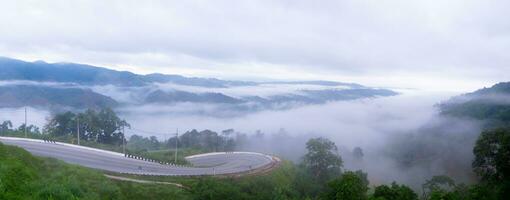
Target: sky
(455, 45)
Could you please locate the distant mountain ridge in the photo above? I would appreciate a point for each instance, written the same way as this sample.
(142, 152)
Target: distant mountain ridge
(43, 96)
(85, 86)
(12, 69)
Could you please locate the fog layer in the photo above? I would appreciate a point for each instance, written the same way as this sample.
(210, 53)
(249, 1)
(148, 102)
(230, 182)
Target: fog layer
(403, 137)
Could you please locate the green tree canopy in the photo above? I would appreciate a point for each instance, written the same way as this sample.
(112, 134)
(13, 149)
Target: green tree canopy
(492, 155)
(395, 192)
(322, 159)
(349, 186)
(103, 126)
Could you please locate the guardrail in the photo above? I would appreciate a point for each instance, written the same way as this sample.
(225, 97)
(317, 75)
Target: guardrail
(142, 172)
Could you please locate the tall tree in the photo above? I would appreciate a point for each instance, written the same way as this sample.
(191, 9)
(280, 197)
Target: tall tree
(322, 159)
(61, 124)
(492, 155)
(103, 126)
(492, 160)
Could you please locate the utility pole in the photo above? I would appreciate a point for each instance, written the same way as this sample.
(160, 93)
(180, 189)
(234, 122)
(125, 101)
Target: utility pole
(25, 122)
(123, 140)
(176, 145)
(78, 128)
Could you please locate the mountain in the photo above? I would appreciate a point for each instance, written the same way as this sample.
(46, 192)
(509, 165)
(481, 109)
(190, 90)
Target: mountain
(12, 69)
(44, 96)
(40, 71)
(182, 96)
(491, 104)
(73, 85)
(203, 82)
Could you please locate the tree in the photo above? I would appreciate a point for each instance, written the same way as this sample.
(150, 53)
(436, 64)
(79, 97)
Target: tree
(492, 155)
(438, 186)
(349, 186)
(395, 192)
(357, 153)
(102, 127)
(5, 126)
(111, 126)
(492, 160)
(61, 124)
(322, 159)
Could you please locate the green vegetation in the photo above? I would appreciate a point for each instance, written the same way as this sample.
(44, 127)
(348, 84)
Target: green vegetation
(318, 176)
(489, 104)
(103, 126)
(103, 129)
(23, 176)
(350, 185)
(395, 192)
(322, 159)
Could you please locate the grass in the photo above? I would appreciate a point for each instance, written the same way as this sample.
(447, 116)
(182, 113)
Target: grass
(23, 176)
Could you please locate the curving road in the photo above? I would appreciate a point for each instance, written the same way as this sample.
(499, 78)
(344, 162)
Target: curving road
(220, 163)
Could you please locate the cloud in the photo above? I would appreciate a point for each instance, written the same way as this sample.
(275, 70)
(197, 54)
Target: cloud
(455, 40)
(35, 116)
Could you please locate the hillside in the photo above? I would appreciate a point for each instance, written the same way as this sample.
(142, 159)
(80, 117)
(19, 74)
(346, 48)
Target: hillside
(79, 86)
(41, 71)
(44, 96)
(491, 104)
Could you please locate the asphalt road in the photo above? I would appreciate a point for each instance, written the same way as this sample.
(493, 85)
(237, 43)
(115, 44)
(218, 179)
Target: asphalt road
(220, 163)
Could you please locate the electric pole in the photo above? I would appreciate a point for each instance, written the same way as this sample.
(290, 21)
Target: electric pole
(78, 128)
(25, 122)
(176, 145)
(123, 140)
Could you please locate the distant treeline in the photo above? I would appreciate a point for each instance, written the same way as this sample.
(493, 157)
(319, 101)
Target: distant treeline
(104, 129)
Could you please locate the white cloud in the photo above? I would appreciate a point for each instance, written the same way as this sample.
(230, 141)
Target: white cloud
(465, 42)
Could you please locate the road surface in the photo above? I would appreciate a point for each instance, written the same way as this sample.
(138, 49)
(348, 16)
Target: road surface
(221, 163)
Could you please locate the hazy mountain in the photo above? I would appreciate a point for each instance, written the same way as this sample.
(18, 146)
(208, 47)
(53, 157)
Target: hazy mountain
(492, 104)
(84, 86)
(203, 82)
(12, 69)
(182, 96)
(44, 96)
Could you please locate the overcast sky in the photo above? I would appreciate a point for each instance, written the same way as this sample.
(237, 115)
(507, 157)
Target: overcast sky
(454, 45)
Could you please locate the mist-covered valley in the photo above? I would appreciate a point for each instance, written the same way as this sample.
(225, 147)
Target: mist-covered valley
(391, 130)
(255, 100)
(402, 135)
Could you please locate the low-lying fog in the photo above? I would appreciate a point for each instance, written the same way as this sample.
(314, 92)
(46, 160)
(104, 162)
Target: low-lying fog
(385, 128)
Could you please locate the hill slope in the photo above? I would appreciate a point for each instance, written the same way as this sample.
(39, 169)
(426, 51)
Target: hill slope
(44, 96)
(491, 104)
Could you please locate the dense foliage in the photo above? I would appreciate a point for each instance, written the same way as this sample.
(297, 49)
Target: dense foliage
(103, 126)
(322, 159)
(350, 185)
(25, 177)
(394, 192)
(489, 104)
(318, 176)
(206, 140)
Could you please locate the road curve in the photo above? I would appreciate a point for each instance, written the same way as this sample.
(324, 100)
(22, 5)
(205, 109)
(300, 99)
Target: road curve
(220, 163)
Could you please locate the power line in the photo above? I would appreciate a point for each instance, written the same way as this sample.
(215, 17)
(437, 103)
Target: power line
(148, 132)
